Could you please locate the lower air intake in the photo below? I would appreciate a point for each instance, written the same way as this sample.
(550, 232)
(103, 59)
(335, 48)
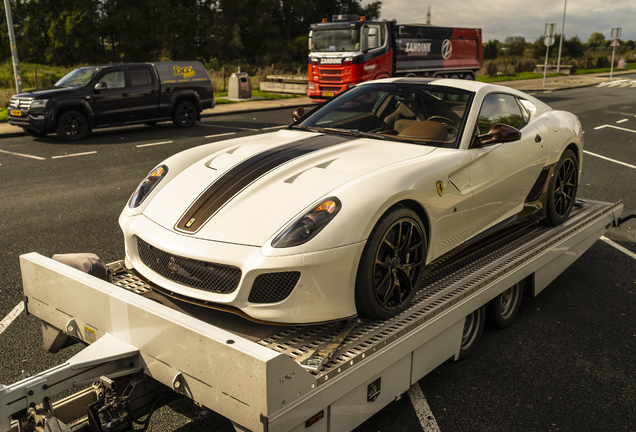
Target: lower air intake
(273, 287)
(212, 277)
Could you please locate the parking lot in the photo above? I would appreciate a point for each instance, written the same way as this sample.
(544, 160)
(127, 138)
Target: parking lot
(565, 364)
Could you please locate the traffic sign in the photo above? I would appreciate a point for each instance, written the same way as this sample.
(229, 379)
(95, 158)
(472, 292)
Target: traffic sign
(549, 40)
(615, 43)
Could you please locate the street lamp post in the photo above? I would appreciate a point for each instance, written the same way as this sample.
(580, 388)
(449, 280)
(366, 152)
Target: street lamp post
(14, 48)
(562, 36)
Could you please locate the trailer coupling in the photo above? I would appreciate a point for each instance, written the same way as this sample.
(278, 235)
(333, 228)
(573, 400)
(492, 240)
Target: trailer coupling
(111, 393)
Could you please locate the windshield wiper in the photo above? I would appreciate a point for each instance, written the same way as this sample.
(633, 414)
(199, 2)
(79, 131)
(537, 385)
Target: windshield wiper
(305, 128)
(357, 133)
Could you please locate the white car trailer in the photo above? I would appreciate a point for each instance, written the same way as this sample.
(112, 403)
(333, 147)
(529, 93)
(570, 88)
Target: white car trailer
(144, 348)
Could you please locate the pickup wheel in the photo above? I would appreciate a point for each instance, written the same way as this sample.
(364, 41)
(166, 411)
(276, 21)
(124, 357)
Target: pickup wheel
(391, 266)
(473, 328)
(503, 309)
(72, 126)
(185, 115)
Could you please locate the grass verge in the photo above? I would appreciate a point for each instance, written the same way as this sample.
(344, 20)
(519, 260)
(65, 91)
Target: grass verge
(220, 97)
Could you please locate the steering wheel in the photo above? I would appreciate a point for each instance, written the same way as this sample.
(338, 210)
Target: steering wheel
(451, 126)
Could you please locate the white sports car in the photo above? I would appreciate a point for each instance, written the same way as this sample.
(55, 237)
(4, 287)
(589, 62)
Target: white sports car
(339, 214)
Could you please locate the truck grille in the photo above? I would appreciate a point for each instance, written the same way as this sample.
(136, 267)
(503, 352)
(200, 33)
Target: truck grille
(331, 78)
(273, 287)
(212, 277)
(20, 103)
(330, 88)
(330, 72)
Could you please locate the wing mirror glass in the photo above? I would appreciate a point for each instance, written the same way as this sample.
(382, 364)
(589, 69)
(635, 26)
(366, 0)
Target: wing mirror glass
(298, 113)
(101, 86)
(499, 133)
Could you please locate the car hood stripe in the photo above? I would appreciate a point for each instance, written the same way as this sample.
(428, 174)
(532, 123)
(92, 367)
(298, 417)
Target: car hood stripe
(240, 176)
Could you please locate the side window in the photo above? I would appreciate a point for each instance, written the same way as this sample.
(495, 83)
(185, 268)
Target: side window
(115, 79)
(499, 108)
(139, 77)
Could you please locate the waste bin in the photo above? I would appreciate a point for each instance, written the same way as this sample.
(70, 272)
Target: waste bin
(239, 86)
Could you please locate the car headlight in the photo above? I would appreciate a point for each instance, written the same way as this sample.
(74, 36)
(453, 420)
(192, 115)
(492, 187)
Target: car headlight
(146, 186)
(309, 225)
(39, 103)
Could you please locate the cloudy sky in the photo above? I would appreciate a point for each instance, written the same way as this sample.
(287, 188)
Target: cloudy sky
(527, 18)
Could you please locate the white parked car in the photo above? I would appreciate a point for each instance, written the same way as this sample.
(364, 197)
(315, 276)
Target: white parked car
(341, 213)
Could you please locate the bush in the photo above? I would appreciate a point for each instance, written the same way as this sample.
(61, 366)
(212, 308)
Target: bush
(491, 68)
(525, 65)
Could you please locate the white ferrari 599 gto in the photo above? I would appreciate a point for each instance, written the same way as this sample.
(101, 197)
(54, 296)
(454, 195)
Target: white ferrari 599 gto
(340, 213)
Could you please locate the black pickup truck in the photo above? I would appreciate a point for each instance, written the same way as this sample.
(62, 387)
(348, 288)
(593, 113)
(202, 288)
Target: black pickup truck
(115, 95)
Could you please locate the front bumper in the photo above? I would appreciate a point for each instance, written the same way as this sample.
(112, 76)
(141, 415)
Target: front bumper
(36, 121)
(323, 292)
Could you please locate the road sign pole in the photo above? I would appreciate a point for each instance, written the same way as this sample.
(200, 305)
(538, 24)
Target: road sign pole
(14, 48)
(612, 64)
(545, 66)
(562, 36)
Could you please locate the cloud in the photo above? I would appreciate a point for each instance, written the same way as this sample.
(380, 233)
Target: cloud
(527, 18)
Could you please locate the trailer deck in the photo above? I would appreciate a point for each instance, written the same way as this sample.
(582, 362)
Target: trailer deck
(256, 374)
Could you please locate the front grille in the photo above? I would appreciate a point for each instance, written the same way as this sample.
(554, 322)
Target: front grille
(330, 72)
(330, 88)
(217, 278)
(20, 103)
(331, 78)
(273, 287)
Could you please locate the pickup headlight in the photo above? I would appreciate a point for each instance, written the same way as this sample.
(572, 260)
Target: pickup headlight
(39, 103)
(146, 186)
(309, 225)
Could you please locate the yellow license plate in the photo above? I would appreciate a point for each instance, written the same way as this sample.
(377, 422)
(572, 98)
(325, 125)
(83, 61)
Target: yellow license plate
(328, 94)
(16, 113)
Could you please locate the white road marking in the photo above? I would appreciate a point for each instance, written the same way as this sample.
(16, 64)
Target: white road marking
(228, 127)
(6, 322)
(608, 159)
(220, 135)
(154, 144)
(73, 155)
(23, 155)
(614, 127)
(619, 247)
(622, 121)
(422, 410)
(274, 127)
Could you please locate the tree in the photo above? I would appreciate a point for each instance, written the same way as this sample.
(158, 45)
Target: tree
(596, 39)
(490, 49)
(516, 45)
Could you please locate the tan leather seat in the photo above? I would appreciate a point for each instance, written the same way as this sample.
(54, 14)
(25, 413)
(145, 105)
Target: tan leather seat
(426, 130)
(406, 114)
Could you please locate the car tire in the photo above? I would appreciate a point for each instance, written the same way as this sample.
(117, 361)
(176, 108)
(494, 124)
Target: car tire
(473, 329)
(72, 126)
(502, 310)
(392, 264)
(35, 133)
(562, 189)
(185, 115)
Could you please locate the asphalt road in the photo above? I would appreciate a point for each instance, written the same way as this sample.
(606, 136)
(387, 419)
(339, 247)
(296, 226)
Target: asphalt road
(567, 362)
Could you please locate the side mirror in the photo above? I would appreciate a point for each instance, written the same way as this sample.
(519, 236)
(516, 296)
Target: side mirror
(499, 133)
(298, 113)
(101, 86)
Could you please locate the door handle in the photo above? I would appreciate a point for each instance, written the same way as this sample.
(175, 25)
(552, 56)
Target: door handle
(537, 139)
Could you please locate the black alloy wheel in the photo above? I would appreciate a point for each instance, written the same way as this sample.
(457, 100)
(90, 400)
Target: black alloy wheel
(562, 189)
(185, 115)
(391, 265)
(72, 126)
(473, 329)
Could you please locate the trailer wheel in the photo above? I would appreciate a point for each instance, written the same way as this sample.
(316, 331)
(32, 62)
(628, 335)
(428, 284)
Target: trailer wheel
(185, 115)
(454, 76)
(503, 309)
(473, 328)
(562, 189)
(469, 77)
(72, 126)
(392, 264)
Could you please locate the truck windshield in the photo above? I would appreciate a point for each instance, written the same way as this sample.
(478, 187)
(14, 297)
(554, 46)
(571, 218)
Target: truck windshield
(336, 40)
(78, 77)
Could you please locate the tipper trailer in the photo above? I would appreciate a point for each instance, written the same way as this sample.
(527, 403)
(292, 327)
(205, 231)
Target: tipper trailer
(144, 348)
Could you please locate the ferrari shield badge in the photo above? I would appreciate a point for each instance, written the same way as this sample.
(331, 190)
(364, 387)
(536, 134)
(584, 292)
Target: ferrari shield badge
(440, 187)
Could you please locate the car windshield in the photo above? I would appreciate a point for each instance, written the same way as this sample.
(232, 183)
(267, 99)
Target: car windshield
(78, 77)
(334, 40)
(418, 113)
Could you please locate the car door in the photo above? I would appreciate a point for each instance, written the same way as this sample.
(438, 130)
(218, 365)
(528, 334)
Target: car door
(143, 93)
(503, 174)
(110, 102)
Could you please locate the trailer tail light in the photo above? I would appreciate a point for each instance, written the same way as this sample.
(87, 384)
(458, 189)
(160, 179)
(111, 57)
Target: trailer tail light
(314, 419)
